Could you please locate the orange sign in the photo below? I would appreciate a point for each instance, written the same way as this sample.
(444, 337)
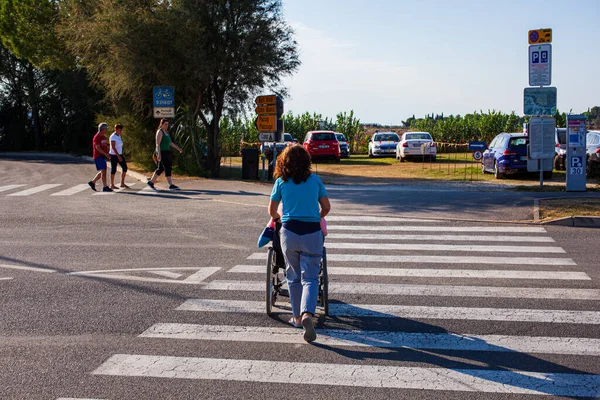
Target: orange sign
(261, 110)
(537, 36)
(266, 100)
(266, 123)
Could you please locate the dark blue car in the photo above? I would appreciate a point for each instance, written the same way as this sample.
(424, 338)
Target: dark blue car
(506, 154)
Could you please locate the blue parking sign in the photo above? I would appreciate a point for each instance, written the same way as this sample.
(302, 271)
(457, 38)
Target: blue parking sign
(163, 96)
(535, 57)
(544, 56)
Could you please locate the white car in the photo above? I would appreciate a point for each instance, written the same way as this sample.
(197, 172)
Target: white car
(383, 144)
(416, 144)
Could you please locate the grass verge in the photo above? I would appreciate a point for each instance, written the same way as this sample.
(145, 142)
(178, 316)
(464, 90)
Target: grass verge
(560, 208)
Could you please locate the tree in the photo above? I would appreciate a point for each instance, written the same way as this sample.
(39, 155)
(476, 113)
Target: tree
(217, 54)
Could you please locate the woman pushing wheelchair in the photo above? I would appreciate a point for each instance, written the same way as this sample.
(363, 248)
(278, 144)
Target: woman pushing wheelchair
(305, 202)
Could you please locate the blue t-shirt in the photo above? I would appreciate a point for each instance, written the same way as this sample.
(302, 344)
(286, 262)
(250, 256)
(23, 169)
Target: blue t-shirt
(300, 202)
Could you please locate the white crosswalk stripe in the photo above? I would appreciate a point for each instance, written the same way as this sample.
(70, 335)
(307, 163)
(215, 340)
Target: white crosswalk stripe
(36, 189)
(9, 187)
(72, 190)
(544, 280)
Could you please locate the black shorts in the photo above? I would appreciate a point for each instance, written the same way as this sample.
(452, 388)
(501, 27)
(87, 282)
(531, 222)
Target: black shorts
(114, 160)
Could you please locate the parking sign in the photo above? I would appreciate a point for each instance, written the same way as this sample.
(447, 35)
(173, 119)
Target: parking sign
(540, 65)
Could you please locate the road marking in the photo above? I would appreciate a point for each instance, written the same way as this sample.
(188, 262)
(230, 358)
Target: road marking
(413, 312)
(73, 190)
(457, 238)
(25, 268)
(75, 398)
(358, 218)
(167, 274)
(9, 187)
(36, 189)
(436, 273)
(445, 247)
(382, 339)
(437, 259)
(439, 228)
(5, 279)
(425, 290)
(352, 375)
(194, 279)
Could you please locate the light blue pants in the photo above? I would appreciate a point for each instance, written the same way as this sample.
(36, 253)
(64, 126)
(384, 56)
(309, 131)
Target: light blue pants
(302, 259)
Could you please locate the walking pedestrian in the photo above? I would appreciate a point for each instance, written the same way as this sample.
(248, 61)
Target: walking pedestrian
(100, 155)
(305, 202)
(117, 157)
(163, 154)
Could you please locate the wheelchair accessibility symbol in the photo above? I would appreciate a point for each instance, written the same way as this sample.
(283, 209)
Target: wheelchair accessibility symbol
(576, 162)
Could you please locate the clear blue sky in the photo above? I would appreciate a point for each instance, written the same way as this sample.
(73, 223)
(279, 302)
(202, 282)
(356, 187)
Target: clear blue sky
(388, 60)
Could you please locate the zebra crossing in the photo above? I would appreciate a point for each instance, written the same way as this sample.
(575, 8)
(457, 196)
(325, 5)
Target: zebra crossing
(59, 189)
(387, 276)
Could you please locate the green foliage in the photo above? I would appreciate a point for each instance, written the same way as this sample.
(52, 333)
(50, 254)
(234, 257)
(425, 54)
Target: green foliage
(351, 128)
(300, 124)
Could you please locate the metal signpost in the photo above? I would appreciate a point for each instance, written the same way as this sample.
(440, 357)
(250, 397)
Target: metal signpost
(163, 101)
(576, 153)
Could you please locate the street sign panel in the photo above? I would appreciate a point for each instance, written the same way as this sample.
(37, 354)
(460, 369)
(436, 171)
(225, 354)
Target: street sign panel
(537, 36)
(540, 65)
(266, 123)
(262, 110)
(477, 145)
(163, 96)
(542, 140)
(266, 136)
(164, 112)
(266, 100)
(539, 101)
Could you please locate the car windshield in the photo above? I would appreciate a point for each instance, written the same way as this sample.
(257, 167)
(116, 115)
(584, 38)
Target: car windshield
(323, 136)
(517, 143)
(287, 137)
(341, 138)
(418, 136)
(562, 135)
(385, 136)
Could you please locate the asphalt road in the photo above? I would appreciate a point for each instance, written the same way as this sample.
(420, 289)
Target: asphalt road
(436, 292)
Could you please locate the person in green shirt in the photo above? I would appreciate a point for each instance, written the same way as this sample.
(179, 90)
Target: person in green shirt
(163, 154)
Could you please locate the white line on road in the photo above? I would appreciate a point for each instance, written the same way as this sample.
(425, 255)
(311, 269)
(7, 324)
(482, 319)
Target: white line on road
(352, 375)
(425, 290)
(436, 273)
(194, 279)
(384, 339)
(437, 259)
(72, 190)
(36, 189)
(166, 274)
(457, 238)
(9, 187)
(201, 275)
(439, 228)
(444, 247)
(5, 279)
(365, 218)
(412, 312)
(25, 268)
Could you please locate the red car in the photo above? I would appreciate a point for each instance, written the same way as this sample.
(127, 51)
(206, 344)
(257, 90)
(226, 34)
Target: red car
(322, 144)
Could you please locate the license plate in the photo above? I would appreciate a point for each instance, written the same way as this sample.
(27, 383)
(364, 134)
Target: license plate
(416, 145)
(324, 146)
(523, 158)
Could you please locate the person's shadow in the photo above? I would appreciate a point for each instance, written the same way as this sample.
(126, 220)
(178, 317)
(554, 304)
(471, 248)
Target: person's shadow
(424, 343)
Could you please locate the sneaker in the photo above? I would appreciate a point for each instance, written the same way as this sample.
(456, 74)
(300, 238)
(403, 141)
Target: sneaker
(106, 189)
(150, 184)
(92, 185)
(173, 187)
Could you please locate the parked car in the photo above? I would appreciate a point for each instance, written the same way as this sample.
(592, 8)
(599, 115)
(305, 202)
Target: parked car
(322, 144)
(383, 144)
(416, 144)
(560, 151)
(344, 145)
(507, 154)
(592, 150)
(267, 147)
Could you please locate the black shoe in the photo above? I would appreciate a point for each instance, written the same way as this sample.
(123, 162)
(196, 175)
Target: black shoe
(106, 189)
(173, 187)
(150, 184)
(92, 185)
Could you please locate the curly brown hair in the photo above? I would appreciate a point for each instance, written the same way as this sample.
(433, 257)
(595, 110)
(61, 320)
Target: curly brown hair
(293, 162)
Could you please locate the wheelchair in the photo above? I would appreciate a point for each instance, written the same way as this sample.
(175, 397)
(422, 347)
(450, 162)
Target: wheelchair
(276, 277)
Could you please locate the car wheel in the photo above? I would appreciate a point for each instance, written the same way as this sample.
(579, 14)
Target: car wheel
(337, 159)
(557, 163)
(483, 171)
(497, 173)
(402, 159)
(432, 158)
(589, 169)
(370, 154)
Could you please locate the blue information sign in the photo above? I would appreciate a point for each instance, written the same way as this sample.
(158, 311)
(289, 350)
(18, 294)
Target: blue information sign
(163, 96)
(477, 146)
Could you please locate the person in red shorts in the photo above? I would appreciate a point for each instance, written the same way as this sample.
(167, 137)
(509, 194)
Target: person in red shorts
(100, 154)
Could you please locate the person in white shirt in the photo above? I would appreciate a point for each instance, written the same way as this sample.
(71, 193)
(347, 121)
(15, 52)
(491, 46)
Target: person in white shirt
(117, 157)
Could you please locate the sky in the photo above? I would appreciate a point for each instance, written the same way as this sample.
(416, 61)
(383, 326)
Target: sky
(391, 59)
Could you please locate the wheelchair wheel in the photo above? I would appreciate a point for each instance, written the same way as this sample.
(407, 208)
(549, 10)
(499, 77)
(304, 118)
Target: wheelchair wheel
(324, 284)
(271, 294)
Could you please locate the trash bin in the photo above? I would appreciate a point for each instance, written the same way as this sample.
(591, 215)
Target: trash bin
(250, 163)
